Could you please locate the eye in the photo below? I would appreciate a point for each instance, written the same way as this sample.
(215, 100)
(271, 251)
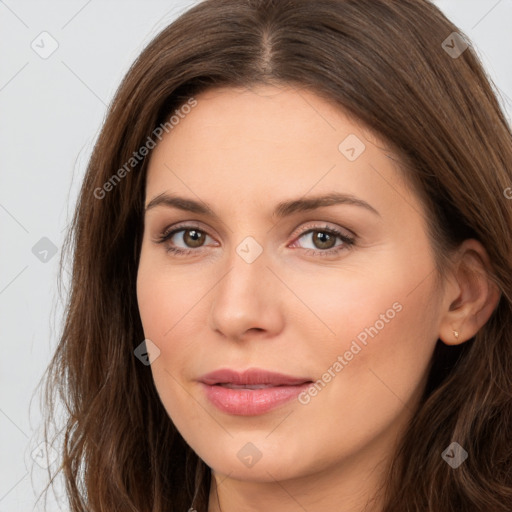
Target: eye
(193, 237)
(324, 239)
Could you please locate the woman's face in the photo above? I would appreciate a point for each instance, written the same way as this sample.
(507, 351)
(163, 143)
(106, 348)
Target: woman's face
(267, 283)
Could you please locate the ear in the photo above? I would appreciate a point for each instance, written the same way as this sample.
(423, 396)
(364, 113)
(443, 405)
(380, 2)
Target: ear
(470, 295)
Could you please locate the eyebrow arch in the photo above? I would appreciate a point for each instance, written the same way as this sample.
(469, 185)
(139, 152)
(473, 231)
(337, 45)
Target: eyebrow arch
(283, 209)
(305, 204)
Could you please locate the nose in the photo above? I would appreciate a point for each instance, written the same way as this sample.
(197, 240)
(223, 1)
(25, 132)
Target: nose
(247, 301)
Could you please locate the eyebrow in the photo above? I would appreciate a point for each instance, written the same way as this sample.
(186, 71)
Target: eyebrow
(283, 209)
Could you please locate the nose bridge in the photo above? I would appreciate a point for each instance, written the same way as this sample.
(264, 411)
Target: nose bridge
(245, 297)
(246, 271)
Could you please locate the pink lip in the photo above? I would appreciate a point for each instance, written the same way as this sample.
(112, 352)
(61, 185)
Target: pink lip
(248, 402)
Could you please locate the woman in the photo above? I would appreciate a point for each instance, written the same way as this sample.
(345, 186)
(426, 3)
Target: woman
(292, 270)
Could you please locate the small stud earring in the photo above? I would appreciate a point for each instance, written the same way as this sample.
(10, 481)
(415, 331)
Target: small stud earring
(456, 334)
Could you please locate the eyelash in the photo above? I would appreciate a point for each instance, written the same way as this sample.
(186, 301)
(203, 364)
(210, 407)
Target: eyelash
(348, 241)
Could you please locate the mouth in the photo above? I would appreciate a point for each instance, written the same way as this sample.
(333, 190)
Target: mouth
(253, 377)
(246, 386)
(251, 392)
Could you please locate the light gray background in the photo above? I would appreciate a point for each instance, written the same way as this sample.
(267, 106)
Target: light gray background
(51, 112)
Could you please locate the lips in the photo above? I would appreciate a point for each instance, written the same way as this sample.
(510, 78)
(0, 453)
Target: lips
(251, 377)
(245, 386)
(251, 392)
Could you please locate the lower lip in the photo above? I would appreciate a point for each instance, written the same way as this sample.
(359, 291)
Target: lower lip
(250, 402)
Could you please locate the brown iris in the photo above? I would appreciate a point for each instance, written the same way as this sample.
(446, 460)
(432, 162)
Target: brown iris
(196, 238)
(326, 240)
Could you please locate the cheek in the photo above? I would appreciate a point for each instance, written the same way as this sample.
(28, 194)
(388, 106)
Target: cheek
(374, 330)
(165, 304)
(352, 303)
(164, 297)
(372, 371)
(172, 308)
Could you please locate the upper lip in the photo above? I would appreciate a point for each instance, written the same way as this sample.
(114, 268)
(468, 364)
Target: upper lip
(252, 376)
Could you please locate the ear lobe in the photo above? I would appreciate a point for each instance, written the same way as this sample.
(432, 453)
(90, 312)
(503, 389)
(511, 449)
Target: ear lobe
(476, 295)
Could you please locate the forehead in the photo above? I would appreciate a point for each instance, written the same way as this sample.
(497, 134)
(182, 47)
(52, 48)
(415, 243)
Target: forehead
(267, 115)
(251, 145)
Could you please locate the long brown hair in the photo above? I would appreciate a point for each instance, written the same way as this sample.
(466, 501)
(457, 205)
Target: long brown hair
(384, 62)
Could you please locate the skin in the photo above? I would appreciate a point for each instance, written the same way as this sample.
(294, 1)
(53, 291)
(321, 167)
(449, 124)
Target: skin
(242, 151)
